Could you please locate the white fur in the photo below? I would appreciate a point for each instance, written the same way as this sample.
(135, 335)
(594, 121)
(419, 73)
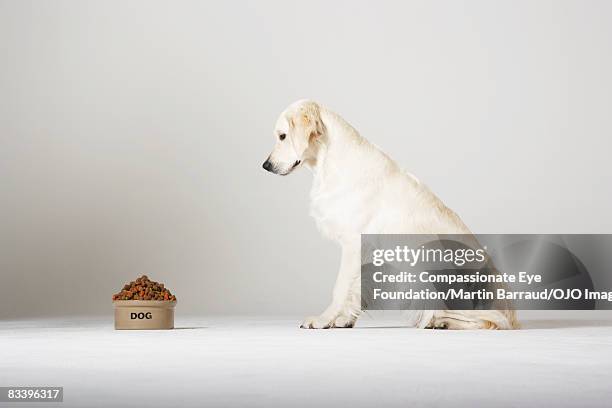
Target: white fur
(358, 189)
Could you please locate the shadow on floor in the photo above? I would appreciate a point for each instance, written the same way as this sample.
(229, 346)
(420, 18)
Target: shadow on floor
(563, 324)
(191, 328)
(532, 324)
(381, 327)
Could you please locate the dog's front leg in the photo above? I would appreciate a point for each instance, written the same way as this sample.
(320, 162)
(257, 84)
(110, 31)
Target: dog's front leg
(346, 303)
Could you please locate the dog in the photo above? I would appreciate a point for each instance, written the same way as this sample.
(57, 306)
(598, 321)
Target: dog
(358, 189)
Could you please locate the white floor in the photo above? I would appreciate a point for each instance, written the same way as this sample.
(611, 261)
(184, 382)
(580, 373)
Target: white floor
(239, 362)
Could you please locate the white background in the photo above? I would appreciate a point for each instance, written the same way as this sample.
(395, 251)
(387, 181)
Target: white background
(132, 136)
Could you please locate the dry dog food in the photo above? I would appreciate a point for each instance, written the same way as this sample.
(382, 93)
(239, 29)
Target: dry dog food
(144, 289)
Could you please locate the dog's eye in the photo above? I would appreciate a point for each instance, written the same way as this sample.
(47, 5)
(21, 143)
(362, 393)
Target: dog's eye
(282, 136)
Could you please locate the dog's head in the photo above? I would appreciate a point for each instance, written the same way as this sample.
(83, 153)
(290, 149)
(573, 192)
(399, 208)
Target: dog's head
(297, 130)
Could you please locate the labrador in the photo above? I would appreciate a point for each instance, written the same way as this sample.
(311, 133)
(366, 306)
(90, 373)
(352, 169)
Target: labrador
(358, 189)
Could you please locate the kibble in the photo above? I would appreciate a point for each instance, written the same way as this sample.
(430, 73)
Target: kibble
(144, 289)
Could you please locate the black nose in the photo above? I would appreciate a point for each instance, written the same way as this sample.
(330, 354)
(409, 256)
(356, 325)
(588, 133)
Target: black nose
(267, 165)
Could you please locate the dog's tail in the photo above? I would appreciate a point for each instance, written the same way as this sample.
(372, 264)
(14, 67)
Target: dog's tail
(465, 319)
(497, 319)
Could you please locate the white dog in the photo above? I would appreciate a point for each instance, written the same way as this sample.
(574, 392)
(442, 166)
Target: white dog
(358, 189)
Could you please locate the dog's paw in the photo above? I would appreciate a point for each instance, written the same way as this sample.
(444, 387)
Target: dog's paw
(316, 322)
(437, 325)
(344, 322)
(324, 322)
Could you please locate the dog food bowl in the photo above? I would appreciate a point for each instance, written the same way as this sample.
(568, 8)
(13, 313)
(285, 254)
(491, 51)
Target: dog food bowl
(144, 314)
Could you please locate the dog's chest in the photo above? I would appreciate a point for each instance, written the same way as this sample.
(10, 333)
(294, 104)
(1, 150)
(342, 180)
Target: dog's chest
(339, 213)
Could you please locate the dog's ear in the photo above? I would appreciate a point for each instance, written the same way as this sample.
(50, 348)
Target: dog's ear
(315, 134)
(310, 120)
